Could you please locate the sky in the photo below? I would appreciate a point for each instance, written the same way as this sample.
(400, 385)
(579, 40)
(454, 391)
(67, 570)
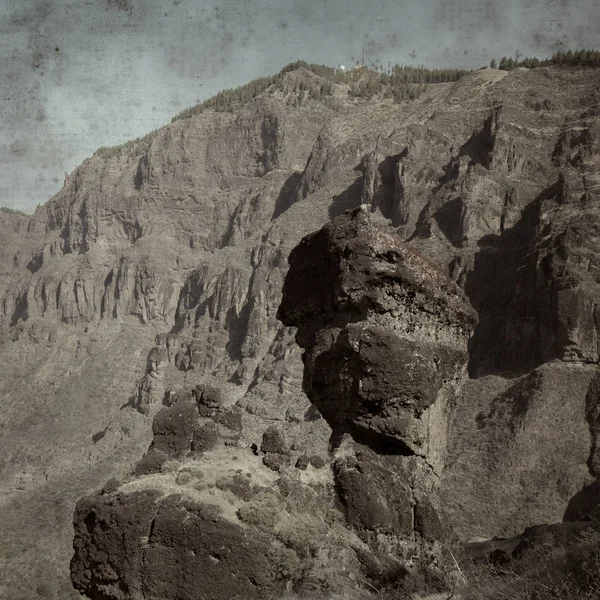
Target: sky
(79, 74)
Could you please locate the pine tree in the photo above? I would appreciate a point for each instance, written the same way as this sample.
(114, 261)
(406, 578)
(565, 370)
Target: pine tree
(493, 64)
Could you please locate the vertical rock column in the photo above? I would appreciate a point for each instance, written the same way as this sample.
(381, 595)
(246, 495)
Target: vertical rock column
(385, 338)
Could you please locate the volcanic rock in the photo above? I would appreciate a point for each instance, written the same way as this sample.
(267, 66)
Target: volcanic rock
(159, 266)
(170, 548)
(385, 338)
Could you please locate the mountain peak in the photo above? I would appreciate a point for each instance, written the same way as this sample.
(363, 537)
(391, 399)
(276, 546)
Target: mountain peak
(149, 288)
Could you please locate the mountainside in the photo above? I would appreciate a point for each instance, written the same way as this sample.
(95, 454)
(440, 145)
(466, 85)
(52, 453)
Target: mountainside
(157, 272)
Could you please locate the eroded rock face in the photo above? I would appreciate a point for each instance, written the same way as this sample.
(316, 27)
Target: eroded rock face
(194, 423)
(536, 285)
(165, 261)
(215, 509)
(385, 335)
(168, 548)
(376, 493)
(539, 427)
(385, 338)
(107, 567)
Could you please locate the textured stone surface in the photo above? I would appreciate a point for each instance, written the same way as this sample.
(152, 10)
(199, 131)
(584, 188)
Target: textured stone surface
(190, 549)
(517, 441)
(167, 548)
(273, 441)
(161, 268)
(385, 339)
(104, 565)
(174, 428)
(376, 497)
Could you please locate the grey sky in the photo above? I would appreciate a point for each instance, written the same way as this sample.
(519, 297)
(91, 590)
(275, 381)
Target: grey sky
(79, 74)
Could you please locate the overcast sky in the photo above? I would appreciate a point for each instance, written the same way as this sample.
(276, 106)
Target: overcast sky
(79, 74)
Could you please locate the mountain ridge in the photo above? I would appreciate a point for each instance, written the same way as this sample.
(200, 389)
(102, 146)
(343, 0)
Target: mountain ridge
(175, 258)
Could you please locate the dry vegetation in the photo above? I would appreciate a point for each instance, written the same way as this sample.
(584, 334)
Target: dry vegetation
(557, 572)
(304, 526)
(569, 572)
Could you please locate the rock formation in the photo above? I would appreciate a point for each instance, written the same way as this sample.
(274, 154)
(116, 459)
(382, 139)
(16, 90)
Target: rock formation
(160, 266)
(385, 336)
(385, 343)
(385, 339)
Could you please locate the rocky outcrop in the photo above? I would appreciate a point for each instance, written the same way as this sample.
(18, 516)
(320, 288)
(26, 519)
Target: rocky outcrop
(97, 286)
(385, 343)
(234, 492)
(160, 266)
(167, 548)
(385, 352)
(193, 423)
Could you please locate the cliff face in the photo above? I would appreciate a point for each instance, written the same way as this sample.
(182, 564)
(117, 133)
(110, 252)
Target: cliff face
(385, 335)
(162, 268)
(117, 263)
(385, 338)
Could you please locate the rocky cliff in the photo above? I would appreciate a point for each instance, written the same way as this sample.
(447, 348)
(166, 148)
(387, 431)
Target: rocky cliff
(384, 335)
(161, 268)
(385, 338)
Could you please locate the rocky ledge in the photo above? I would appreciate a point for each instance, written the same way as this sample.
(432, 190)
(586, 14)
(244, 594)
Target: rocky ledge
(224, 505)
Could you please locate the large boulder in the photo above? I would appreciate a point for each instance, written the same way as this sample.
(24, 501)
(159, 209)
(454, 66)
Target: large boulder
(385, 349)
(385, 336)
(141, 546)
